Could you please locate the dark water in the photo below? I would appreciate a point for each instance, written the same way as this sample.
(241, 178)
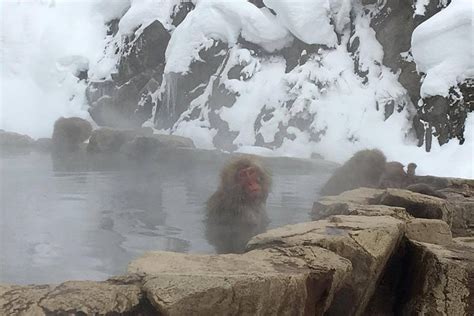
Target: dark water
(71, 221)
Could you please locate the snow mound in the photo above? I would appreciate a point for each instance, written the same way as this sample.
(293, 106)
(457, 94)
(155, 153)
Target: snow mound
(144, 12)
(225, 21)
(311, 20)
(442, 48)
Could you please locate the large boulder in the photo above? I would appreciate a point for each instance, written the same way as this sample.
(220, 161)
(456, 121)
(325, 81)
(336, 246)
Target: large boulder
(182, 88)
(433, 231)
(126, 101)
(367, 241)
(274, 281)
(462, 201)
(114, 297)
(438, 280)
(418, 205)
(14, 143)
(361, 201)
(430, 274)
(70, 133)
(143, 147)
(110, 140)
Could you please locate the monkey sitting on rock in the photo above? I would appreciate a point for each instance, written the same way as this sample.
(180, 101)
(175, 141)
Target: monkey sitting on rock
(362, 170)
(368, 168)
(236, 211)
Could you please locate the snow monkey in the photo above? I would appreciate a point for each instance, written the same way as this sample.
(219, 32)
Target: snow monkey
(393, 176)
(411, 169)
(364, 169)
(236, 211)
(69, 133)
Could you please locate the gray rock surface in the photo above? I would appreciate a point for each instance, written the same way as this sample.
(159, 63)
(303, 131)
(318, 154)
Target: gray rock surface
(431, 231)
(276, 281)
(418, 205)
(113, 297)
(439, 280)
(126, 100)
(11, 142)
(367, 241)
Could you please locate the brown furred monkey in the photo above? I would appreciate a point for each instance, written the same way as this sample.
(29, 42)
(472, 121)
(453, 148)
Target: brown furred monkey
(236, 211)
(361, 170)
(411, 169)
(394, 176)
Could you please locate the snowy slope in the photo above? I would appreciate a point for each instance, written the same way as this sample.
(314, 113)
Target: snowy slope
(48, 42)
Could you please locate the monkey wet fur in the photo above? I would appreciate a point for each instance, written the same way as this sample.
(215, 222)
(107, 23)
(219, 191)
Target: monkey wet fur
(242, 193)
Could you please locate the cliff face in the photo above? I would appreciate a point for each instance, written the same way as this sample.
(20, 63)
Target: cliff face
(299, 76)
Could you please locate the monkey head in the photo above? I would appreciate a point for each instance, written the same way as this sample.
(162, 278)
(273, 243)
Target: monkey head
(245, 177)
(411, 169)
(250, 182)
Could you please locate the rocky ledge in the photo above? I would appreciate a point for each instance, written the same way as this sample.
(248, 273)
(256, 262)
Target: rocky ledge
(375, 252)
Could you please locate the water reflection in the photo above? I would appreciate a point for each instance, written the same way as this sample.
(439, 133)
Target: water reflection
(80, 221)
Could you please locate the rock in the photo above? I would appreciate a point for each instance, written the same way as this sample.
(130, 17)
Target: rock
(380, 210)
(181, 10)
(126, 101)
(15, 143)
(431, 231)
(393, 26)
(343, 203)
(148, 146)
(92, 298)
(262, 282)
(22, 300)
(110, 140)
(147, 51)
(69, 133)
(445, 116)
(465, 241)
(113, 297)
(181, 89)
(418, 205)
(438, 280)
(367, 241)
(463, 211)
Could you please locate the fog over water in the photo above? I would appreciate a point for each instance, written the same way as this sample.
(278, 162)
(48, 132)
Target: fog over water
(73, 221)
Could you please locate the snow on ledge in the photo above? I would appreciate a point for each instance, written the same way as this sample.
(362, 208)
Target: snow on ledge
(225, 21)
(311, 20)
(442, 48)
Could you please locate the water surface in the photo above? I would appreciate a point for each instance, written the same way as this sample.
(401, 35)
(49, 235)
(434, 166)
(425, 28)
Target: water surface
(72, 221)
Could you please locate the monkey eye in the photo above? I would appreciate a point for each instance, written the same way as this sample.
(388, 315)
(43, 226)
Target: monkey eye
(247, 173)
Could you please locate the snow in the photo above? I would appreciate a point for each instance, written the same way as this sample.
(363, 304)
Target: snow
(310, 20)
(42, 48)
(420, 7)
(143, 12)
(225, 21)
(48, 42)
(442, 48)
(339, 103)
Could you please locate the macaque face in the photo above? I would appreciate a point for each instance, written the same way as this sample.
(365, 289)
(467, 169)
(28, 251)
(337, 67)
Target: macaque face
(249, 180)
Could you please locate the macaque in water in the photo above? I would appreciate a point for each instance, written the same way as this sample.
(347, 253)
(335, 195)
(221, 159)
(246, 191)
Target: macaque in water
(236, 211)
(362, 170)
